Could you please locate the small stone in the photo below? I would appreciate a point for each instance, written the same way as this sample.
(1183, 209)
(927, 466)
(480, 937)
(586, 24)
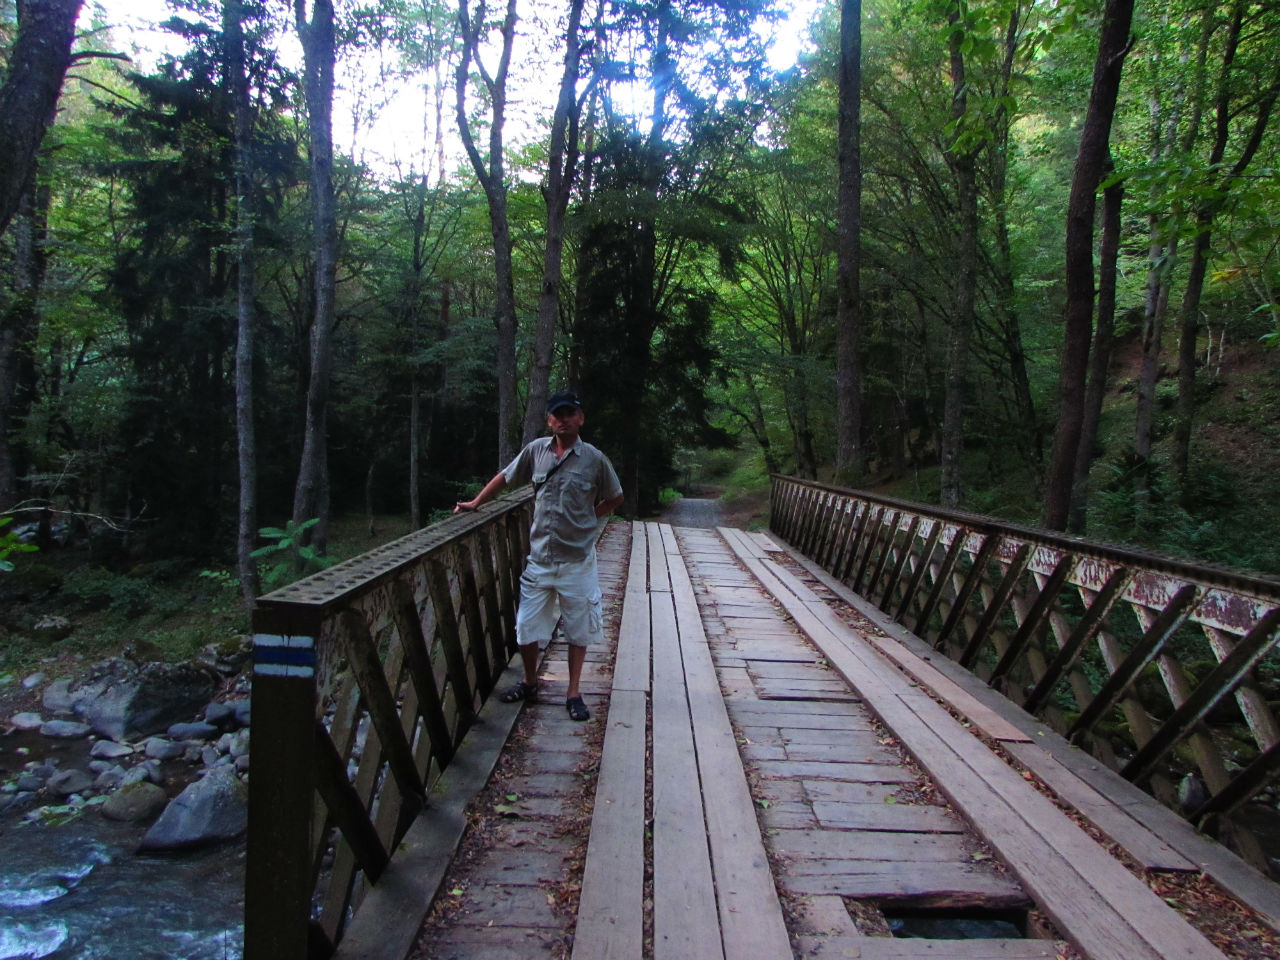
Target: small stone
(65, 729)
(193, 731)
(242, 764)
(33, 681)
(223, 743)
(242, 712)
(27, 721)
(67, 782)
(209, 756)
(110, 750)
(109, 780)
(160, 749)
(138, 774)
(134, 802)
(29, 781)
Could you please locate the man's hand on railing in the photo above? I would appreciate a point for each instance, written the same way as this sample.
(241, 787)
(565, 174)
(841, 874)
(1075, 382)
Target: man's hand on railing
(491, 490)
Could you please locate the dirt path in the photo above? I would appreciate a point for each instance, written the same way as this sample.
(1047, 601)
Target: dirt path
(694, 512)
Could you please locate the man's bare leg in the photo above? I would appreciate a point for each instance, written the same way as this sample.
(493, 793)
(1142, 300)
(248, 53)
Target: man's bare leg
(577, 656)
(529, 656)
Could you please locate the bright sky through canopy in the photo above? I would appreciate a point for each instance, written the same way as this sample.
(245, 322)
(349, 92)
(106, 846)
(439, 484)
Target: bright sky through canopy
(396, 133)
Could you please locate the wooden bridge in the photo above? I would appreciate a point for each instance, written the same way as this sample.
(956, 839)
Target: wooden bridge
(867, 733)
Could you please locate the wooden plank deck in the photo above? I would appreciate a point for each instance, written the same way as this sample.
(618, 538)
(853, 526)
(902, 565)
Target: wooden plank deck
(773, 782)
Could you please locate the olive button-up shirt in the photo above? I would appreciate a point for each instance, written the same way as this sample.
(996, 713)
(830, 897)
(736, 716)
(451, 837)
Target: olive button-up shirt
(566, 492)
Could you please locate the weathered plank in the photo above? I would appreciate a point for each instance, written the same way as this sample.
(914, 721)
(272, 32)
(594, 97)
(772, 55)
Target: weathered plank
(950, 885)
(822, 846)
(685, 923)
(913, 818)
(751, 919)
(611, 908)
(631, 667)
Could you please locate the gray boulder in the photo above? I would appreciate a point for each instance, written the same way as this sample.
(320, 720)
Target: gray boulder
(210, 810)
(135, 802)
(126, 701)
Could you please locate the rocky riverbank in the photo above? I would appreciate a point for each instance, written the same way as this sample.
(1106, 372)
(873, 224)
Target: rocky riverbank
(102, 772)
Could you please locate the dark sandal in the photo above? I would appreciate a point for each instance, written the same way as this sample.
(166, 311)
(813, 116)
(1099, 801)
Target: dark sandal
(577, 709)
(527, 692)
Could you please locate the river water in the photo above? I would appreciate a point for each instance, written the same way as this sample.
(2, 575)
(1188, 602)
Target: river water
(79, 890)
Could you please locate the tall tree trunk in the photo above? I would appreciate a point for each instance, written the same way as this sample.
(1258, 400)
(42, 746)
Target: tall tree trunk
(19, 330)
(963, 163)
(1029, 441)
(562, 166)
(848, 254)
(490, 172)
(1155, 307)
(33, 77)
(311, 496)
(246, 287)
(1113, 46)
(1161, 255)
(1100, 354)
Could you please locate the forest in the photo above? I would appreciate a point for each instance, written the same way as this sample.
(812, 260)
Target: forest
(1015, 257)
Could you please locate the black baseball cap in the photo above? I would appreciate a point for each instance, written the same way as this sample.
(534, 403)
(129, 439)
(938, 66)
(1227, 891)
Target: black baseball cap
(563, 399)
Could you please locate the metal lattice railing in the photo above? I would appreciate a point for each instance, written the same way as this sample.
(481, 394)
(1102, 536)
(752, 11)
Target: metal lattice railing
(366, 678)
(1163, 669)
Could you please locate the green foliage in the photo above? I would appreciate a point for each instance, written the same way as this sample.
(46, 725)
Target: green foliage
(96, 588)
(10, 544)
(669, 495)
(289, 552)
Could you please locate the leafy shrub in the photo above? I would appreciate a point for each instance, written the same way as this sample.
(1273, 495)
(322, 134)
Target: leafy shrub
(95, 588)
(289, 556)
(29, 580)
(10, 544)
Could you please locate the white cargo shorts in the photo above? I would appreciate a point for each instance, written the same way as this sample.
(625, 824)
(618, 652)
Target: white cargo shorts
(551, 591)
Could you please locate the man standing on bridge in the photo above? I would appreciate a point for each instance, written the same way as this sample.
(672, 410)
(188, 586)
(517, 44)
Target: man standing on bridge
(575, 488)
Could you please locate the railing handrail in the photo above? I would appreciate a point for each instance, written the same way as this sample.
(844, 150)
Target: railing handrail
(405, 642)
(1209, 574)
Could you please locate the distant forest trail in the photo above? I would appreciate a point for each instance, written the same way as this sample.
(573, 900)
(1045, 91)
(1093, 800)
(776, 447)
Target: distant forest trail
(694, 512)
